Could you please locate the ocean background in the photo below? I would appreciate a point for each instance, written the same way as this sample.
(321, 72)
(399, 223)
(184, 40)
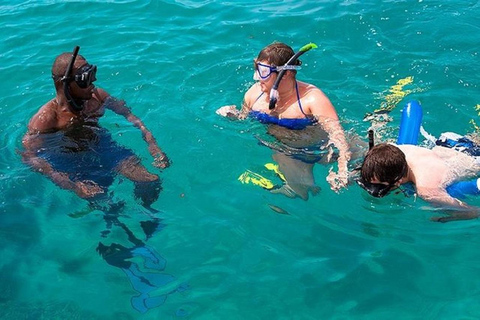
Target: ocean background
(227, 254)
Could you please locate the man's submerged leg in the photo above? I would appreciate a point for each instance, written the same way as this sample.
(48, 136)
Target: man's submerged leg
(147, 185)
(147, 192)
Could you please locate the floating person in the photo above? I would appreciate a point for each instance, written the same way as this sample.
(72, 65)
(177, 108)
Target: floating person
(387, 166)
(299, 116)
(65, 142)
(433, 172)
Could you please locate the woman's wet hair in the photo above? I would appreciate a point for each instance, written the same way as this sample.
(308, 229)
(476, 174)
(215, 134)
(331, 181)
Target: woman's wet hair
(385, 163)
(277, 54)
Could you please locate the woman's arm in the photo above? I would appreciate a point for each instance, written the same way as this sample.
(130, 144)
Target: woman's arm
(232, 112)
(321, 107)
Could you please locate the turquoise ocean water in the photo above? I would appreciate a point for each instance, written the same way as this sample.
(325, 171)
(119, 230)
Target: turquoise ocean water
(223, 253)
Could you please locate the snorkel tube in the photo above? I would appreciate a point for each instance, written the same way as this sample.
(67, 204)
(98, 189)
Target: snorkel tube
(67, 79)
(371, 141)
(274, 90)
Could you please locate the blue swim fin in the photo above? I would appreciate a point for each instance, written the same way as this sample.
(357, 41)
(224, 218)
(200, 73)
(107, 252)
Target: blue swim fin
(144, 302)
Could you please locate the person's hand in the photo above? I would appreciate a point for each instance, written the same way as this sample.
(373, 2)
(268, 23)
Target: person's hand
(228, 111)
(87, 189)
(337, 181)
(161, 161)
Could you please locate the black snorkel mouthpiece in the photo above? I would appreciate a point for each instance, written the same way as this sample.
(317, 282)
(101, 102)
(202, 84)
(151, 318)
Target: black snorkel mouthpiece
(291, 61)
(67, 78)
(371, 141)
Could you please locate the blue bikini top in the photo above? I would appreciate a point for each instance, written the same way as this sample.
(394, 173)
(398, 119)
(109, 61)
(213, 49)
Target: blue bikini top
(294, 124)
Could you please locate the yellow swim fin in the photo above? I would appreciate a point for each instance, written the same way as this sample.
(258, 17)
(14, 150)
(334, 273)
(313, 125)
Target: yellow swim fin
(395, 95)
(476, 127)
(256, 179)
(274, 167)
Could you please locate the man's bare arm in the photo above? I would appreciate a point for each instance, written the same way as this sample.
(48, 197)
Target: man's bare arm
(119, 107)
(454, 208)
(31, 143)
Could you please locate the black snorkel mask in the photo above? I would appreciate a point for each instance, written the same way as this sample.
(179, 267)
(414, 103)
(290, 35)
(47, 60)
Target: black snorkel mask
(84, 77)
(379, 190)
(290, 62)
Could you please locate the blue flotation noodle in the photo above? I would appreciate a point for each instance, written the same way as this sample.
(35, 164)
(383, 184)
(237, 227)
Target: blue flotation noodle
(409, 130)
(410, 125)
(463, 188)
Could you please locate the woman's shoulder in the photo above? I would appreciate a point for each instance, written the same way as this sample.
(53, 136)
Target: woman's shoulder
(316, 102)
(311, 92)
(252, 93)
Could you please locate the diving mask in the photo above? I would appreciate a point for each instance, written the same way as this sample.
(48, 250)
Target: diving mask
(85, 75)
(378, 190)
(264, 71)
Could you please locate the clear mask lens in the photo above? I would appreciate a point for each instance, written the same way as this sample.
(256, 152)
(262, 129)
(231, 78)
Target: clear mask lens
(86, 75)
(263, 71)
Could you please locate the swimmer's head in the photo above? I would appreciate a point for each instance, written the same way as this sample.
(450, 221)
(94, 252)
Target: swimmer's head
(61, 63)
(383, 168)
(278, 54)
(82, 73)
(282, 55)
(72, 74)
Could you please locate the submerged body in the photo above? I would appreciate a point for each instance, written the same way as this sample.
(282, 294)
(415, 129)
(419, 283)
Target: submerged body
(84, 153)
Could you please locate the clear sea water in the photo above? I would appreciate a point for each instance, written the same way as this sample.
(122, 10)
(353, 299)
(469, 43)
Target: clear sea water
(228, 255)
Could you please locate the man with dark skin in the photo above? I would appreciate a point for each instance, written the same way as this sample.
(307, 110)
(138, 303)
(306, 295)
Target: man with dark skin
(65, 142)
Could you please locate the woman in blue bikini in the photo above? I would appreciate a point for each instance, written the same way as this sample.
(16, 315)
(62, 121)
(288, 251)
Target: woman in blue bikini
(302, 118)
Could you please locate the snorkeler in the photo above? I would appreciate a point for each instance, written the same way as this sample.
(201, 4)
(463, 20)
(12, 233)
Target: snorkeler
(65, 142)
(386, 167)
(299, 115)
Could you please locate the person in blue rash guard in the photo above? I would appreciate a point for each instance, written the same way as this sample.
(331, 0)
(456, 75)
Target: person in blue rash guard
(65, 142)
(304, 121)
(387, 166)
